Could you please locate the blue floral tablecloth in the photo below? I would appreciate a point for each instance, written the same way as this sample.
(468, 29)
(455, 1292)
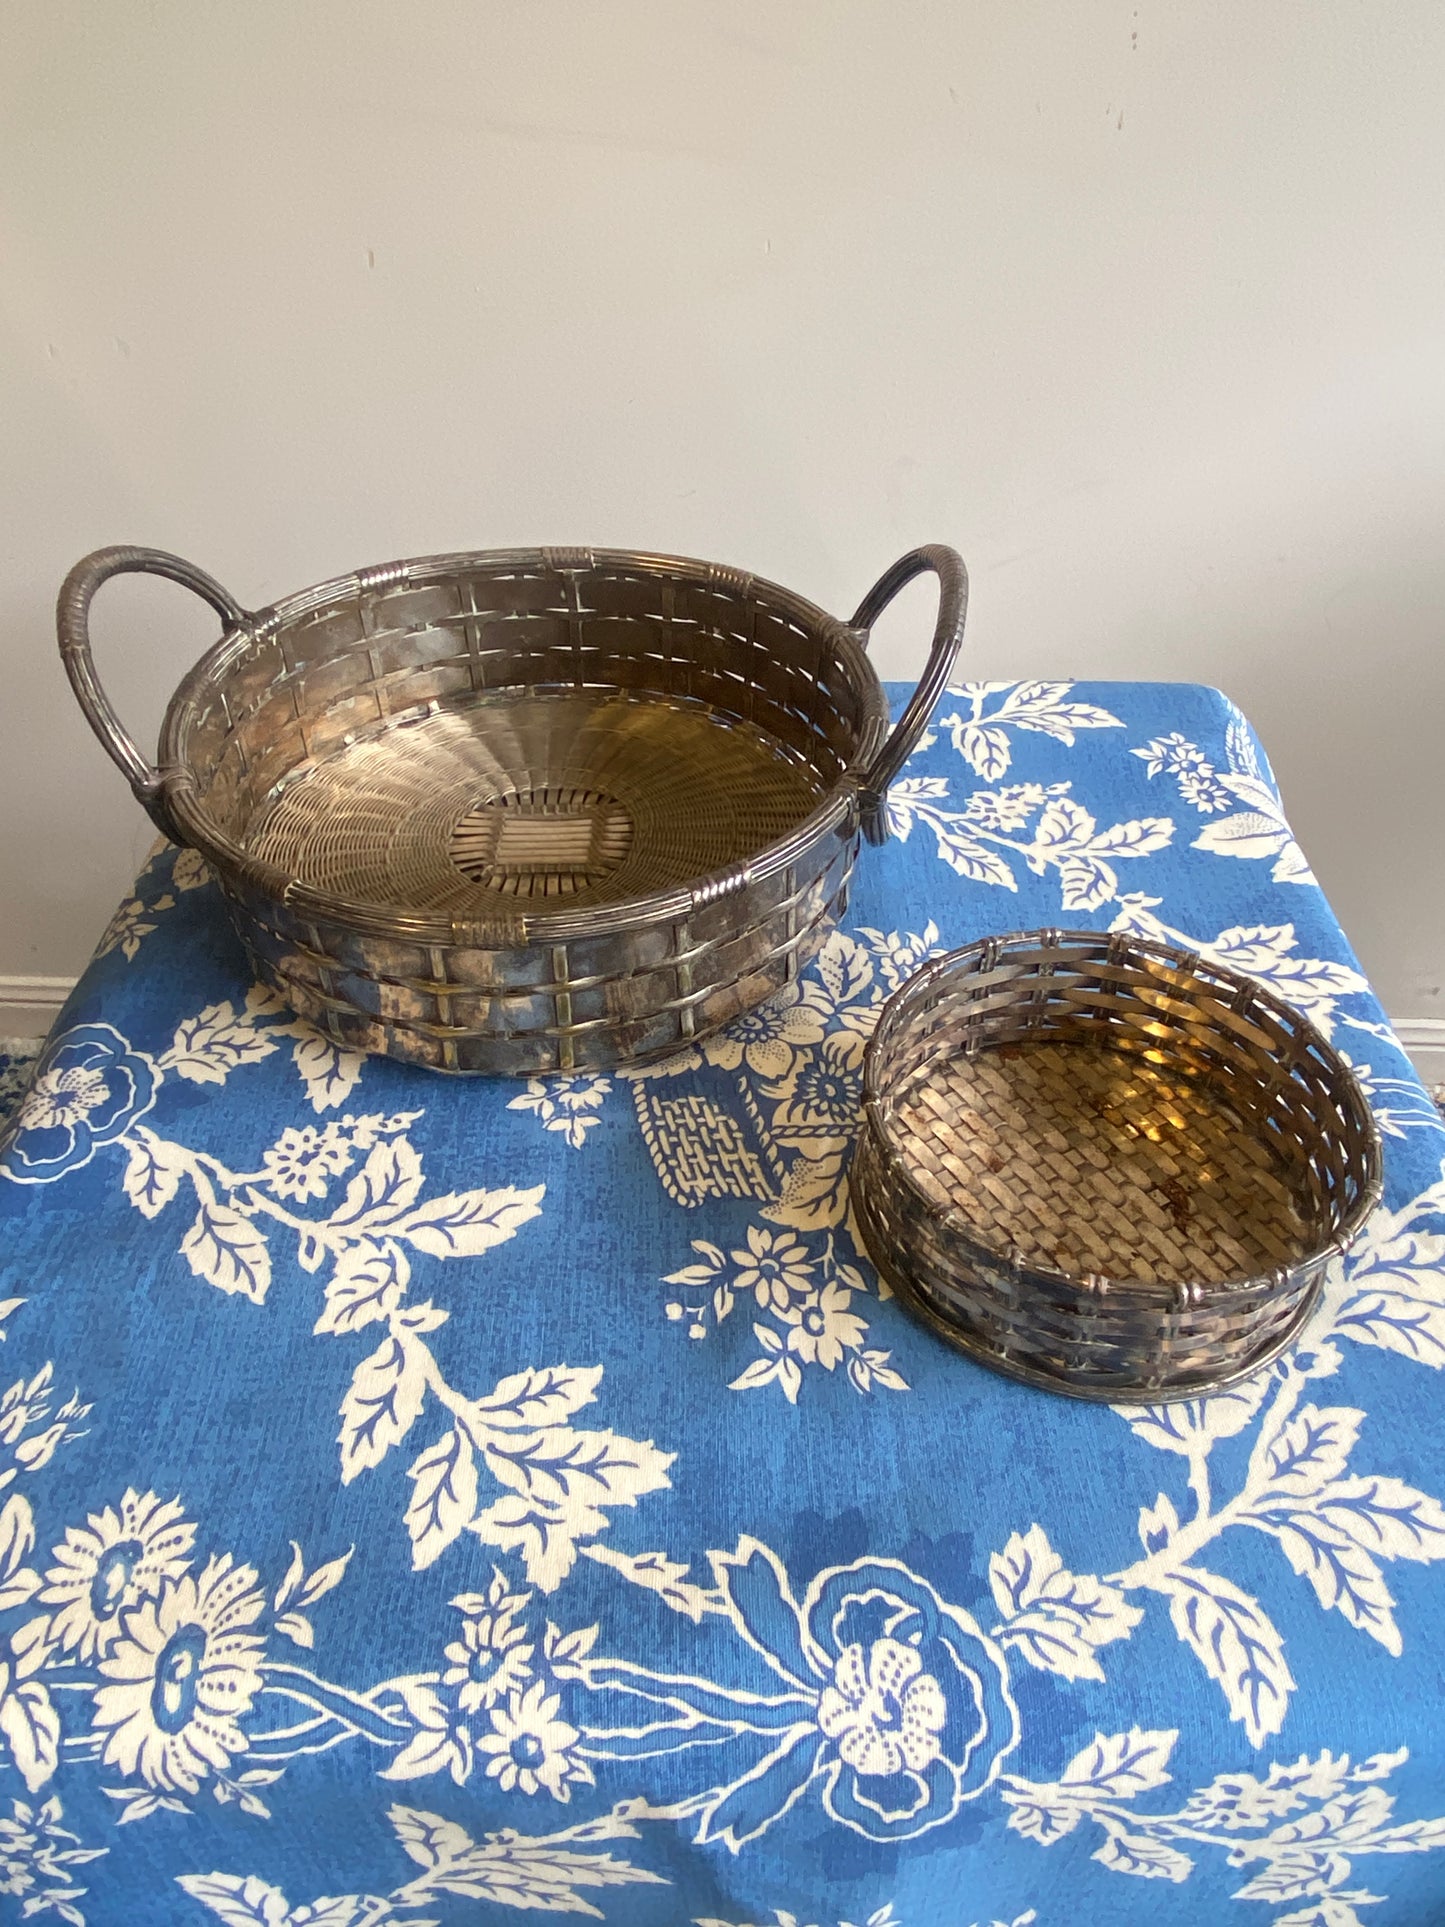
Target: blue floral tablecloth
(445, 1501)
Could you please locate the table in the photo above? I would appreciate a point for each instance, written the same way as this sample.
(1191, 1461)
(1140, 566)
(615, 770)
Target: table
(436, 1501)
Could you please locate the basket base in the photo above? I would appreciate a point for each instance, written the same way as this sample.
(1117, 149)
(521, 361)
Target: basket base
(1112, 1388)
(1085, 1159)
(475, 809)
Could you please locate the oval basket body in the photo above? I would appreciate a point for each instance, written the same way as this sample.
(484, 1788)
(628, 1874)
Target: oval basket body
(1107, 1167)
(527, 811)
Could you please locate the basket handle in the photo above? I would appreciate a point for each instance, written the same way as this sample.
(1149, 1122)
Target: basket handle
(72, 622)
(947, 636)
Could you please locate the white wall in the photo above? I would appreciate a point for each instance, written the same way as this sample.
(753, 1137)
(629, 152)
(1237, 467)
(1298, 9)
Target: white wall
(1140, 306)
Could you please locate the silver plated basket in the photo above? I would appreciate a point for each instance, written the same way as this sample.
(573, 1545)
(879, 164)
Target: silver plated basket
(1105, 1166)
(527, 810)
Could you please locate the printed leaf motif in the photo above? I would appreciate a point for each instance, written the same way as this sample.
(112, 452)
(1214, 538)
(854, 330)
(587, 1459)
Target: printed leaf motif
(445, 1499)
(436, 1745)
(1158, 1524)
(577, 1469)
(17, 1535)
(465, 1223)
(1054, 1618)
(380, 1406)
(387, 1185)
(560, 1482)
(1064, 825)
(209, 1047)
(153, 1172)
(512, 1870)
(1142, 837)
(225, 1248)
(1086, 882)
(296, 1627)
(31, 1728)
(1149, 1859)
(329, 1073)
(1341, 1573)
(1037, 1817)
(1312, 1449)
(239, 1900)
(1393, 1294)
(325, 1579)
(540, 1397)
(1194, 1424)
(1118, 1766)
(986, 749)
(1247, 834)
(845, 968)
(369, 1283)
(427, 1838)
(1236, 1644)
(969, 857)
(1386, 1516)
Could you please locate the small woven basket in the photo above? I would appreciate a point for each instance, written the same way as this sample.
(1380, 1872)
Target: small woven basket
(1107, 1167)
(525, 810)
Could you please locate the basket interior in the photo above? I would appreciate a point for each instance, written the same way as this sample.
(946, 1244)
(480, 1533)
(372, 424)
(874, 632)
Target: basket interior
(1127, 1121)
(473, 733)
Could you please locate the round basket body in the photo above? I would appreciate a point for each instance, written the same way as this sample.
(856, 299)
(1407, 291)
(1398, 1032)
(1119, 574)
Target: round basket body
(1107, 1167)
(527, 811)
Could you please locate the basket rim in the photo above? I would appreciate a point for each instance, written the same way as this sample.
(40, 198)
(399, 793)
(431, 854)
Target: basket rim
(837, 811)
(1118, 946)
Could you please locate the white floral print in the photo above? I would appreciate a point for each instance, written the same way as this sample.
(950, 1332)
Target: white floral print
(774, 1268)
(529, 1747)
(765, 1038)
(823, 1331)
(103, 1568)
(302, 1163)
(180, 1677)
(883, 1710)
(571, 1106)
(492, 1657)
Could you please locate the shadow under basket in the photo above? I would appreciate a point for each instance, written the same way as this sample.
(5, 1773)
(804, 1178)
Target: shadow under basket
(1106, 1167)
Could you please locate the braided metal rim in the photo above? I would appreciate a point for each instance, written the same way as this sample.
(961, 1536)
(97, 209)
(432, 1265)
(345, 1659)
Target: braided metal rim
(837, 814)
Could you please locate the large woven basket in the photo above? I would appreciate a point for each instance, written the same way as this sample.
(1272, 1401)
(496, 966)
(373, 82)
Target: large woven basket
(525, 811)
(1105, 1166)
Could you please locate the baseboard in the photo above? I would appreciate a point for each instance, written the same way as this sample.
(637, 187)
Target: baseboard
(30, 1005)
(1424, 1041)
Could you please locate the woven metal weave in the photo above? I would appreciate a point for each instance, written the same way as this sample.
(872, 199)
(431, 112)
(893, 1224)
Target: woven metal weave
(1106, 1167)
(526, 811)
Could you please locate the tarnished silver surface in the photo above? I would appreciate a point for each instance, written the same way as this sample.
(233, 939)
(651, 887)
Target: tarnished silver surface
(527, 810)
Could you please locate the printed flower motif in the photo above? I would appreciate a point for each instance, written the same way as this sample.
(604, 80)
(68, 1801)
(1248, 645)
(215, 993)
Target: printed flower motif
(570, 1105)
(960, 1717)
(819, 1096)
(912, 1709)
(766, 1036)
(882, 1710)
(89, 1088)
(823, 1330)
(490, 1660)
(110, 1564)
(183, 1673)
(529, 1747)
(301, 1164)
(775, 1268)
